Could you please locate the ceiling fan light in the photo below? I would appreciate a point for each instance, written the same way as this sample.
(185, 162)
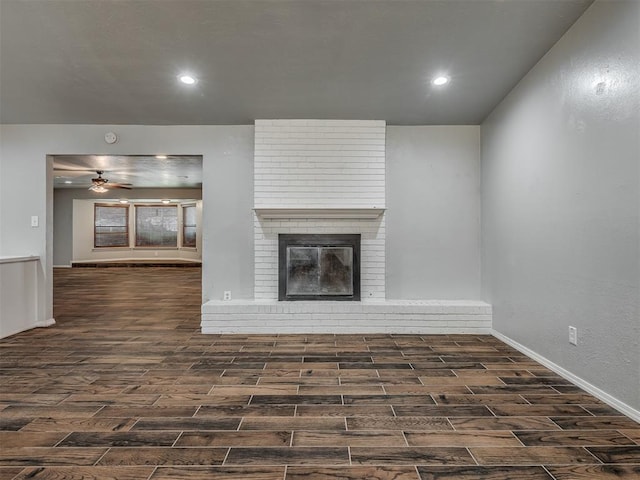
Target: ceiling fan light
(440, 80)
(187, 79)
(98, 188)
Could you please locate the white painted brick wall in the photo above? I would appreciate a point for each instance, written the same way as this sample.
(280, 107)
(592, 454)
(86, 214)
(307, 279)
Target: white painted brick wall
(319, 164)
(413, 316)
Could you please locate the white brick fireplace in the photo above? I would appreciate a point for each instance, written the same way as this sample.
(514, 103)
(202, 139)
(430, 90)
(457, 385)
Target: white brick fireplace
(328, 177)
(313, 176)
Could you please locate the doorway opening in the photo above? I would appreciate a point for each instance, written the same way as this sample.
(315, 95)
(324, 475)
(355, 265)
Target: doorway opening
(142, 212)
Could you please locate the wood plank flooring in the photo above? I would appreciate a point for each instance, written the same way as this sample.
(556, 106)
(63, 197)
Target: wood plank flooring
(125, 387)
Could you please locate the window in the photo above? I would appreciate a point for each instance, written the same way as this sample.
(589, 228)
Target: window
(111, 226)
(189, 226)
(156, 226)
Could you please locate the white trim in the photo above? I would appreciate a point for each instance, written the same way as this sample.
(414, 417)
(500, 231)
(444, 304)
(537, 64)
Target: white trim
(45, 323)
(62, 266)
(30, 258)
(593, 390)
(134, 260)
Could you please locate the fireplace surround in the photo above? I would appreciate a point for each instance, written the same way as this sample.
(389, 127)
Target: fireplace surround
(319, 267)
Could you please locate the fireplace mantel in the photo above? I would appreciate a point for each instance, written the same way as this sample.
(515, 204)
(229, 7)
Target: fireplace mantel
(288, 212)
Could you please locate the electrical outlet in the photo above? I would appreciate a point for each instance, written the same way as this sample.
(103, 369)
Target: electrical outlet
(573, 335)
(227, 295)
(35, 221)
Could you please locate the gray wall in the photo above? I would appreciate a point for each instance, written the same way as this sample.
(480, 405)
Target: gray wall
(63, 213)
(446, 155)
(433, 216)
(26, 189)
(560, 175)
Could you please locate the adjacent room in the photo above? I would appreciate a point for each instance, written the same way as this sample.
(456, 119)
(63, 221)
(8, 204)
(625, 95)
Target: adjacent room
(113, 210)
(285, 239)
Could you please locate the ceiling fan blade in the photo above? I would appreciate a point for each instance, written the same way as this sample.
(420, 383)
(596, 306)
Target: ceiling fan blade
(71, 173)
(119, 185)
(66, 169)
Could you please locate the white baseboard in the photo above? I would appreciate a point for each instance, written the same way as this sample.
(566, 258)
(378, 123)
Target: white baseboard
(62, 266)
(24, 328)
(593, 390)
(46, 323)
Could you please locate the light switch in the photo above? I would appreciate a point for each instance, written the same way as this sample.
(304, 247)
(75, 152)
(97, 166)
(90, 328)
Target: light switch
(34, 221)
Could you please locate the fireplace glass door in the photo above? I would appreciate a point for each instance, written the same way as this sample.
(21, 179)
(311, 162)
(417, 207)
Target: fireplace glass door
(323, 270)
(319, 267)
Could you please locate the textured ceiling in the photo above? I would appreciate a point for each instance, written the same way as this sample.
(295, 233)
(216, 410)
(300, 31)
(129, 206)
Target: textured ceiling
(138, 170)
(116, 61)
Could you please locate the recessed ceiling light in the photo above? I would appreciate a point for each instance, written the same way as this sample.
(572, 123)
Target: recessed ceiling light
(123, 200)
(161, 157)
(187, 79)
(440, 80)
(166, 201)
(68, 181)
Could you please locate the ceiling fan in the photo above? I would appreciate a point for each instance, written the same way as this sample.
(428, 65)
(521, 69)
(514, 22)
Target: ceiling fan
(99, 183)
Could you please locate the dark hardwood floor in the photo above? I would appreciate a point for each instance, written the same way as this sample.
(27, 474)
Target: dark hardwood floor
(125, 387)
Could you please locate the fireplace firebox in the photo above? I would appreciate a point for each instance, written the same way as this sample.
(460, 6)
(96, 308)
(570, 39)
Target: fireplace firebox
(318, 267)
